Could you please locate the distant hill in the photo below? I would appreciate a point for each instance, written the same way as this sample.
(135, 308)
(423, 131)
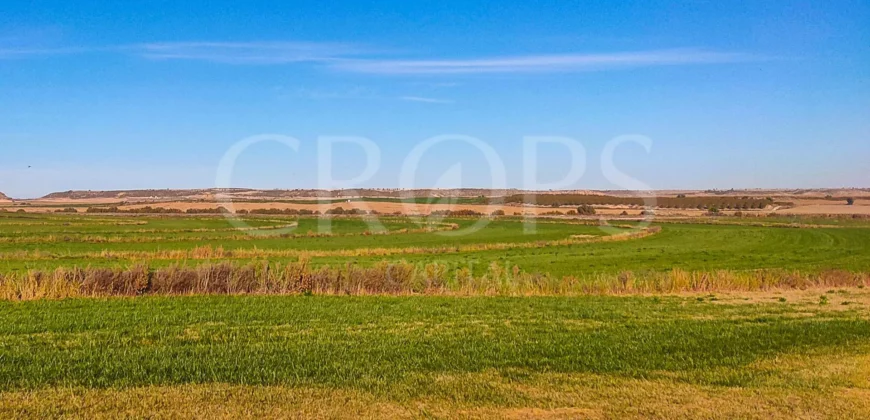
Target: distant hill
(120, 194)
(3, 197)
(242, 193)
(255, 194)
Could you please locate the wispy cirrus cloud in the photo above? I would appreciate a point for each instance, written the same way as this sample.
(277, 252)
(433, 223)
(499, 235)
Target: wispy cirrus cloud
(217, 52)
(355, 58)
(352, 92)
(248, 52)
(542, 63)
(425, 100)
(11, 53)
(19, 42)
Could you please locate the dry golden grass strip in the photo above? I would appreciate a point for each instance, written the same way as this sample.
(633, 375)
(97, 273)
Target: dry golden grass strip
(395, 278)
(542, 396)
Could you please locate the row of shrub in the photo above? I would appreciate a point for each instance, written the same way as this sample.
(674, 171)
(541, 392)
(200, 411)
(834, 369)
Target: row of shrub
(460, 213)
(270, 211)
(140, 210)
(218, 210)
(680, 202)
(339, 210)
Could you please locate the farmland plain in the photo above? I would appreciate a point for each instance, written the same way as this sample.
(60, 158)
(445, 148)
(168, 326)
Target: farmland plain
(714, 318)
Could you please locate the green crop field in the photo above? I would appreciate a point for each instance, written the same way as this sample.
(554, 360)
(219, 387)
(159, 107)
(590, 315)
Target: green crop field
(431, 356)
(45, 242)
(187, 316)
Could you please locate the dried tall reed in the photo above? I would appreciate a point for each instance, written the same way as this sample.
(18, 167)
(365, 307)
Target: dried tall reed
(394, 278)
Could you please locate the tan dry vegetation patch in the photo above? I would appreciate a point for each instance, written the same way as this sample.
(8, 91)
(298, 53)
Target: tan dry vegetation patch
(542, 396)
(76, 201)
(838, 201)
(851, 371)
(382, 207)
(837, 299)
(598, 396)
(79, 208)
(861, 206)
(196, 401)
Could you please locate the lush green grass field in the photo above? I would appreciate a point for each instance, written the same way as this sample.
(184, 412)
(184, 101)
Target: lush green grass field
(439, 354)
(54, 235)
(72, 240)
(764, 355)
(690, 247)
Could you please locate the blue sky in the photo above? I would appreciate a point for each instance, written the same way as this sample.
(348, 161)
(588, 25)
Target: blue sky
(117, 95)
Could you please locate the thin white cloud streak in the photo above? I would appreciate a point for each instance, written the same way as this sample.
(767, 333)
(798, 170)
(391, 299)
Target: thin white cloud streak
(425, 100)
(248, 52)
(349, 93)
(21, 53)
(343, 57)
(542, 63)
(218, 52)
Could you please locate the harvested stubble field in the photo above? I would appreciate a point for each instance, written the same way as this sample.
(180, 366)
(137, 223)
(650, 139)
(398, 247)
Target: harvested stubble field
(184, 316)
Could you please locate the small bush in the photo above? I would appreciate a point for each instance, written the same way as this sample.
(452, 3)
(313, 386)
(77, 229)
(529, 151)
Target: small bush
(455, 213)
(585, 210)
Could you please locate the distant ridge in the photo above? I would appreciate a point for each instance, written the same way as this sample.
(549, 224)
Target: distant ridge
(279, 194)
(150, 193)
(4, 197)
(270, 194)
